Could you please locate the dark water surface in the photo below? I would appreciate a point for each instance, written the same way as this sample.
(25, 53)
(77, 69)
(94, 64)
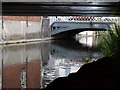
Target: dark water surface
(36, 65)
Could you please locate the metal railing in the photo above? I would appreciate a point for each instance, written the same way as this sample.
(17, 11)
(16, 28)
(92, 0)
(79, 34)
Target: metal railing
(81, 19)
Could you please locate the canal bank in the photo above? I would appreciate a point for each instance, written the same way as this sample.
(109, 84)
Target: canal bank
(24, 41)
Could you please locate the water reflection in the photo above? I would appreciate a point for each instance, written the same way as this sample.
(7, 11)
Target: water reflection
(36, 65)
(67, 57)
(21, 66)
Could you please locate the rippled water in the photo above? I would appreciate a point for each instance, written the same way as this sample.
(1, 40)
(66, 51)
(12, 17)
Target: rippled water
(36, 65)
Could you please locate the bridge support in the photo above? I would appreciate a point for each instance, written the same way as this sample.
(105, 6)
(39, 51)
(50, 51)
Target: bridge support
(45, 28)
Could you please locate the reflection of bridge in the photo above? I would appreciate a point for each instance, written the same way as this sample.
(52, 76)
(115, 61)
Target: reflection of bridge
(72, 49)
(70, 29)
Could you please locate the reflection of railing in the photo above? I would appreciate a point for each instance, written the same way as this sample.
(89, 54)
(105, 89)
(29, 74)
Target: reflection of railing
(23, 78)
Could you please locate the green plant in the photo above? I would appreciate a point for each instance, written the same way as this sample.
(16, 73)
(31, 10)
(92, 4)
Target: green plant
(110, 42)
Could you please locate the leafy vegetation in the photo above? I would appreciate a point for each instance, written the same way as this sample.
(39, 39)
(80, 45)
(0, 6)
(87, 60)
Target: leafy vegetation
(110, 42)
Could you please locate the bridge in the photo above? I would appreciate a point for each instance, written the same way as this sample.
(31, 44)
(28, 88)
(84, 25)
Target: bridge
(60, 8)
(68, 27)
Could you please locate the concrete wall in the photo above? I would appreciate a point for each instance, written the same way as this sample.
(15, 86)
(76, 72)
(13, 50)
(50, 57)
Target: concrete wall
(18, 28)
(46, 28)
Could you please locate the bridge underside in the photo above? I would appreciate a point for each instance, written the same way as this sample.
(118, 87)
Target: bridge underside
(61, 8)
(70, 29)
(71, 33)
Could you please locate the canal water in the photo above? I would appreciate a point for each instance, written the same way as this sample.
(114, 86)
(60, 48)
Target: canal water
(35, 65)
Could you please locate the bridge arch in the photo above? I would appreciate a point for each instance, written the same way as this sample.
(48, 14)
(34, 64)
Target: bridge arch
(70, 29)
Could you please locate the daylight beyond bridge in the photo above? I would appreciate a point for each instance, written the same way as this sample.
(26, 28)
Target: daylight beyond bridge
(70, 29)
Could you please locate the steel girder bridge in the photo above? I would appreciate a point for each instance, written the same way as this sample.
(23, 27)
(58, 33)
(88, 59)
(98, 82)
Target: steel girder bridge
(61, 8)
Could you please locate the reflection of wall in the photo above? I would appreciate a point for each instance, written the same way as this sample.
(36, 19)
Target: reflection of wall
(45, 52)
(10, 54)
(11, 75)
(0, 67)
(1, 59)
(34, 74)
(17, 53)
(14, 62)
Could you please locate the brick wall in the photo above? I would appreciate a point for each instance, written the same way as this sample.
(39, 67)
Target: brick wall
(23, 18)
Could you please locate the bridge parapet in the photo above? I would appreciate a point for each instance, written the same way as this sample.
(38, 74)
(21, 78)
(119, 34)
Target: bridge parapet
(82, 19)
